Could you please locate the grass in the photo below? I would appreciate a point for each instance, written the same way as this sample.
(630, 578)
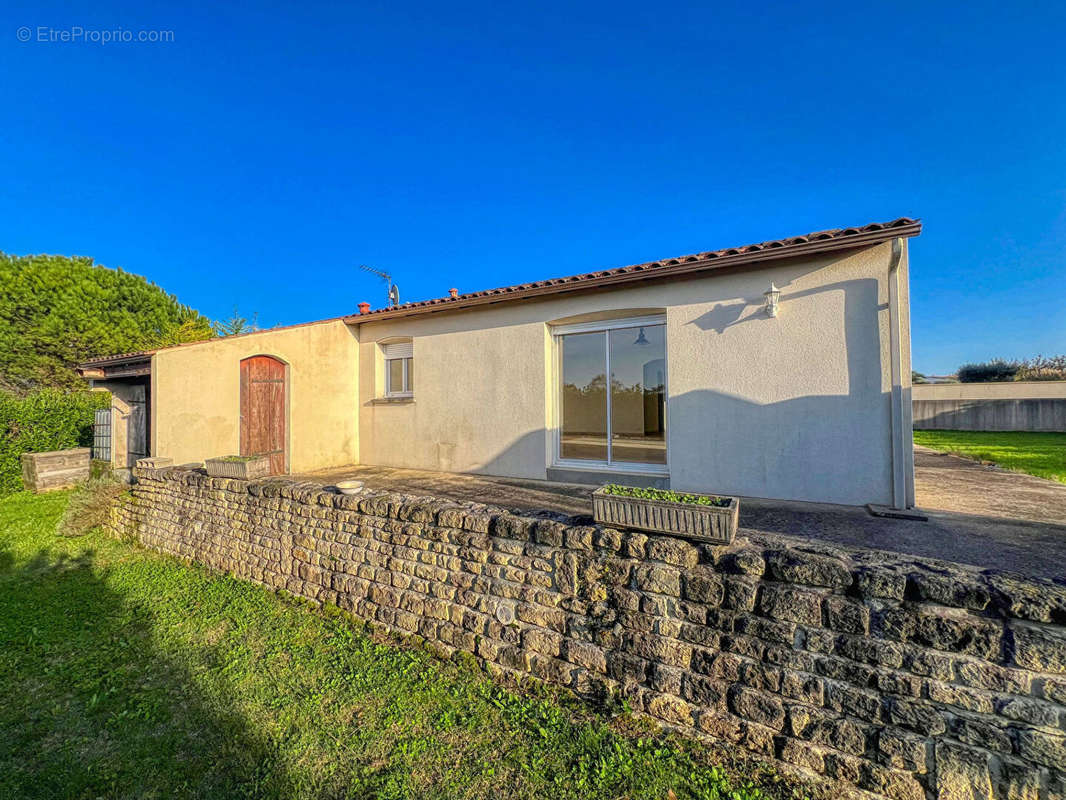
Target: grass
(1040, 454)
(127, 674)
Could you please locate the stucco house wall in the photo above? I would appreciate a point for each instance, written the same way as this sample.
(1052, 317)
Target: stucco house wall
(794, 407)
(196, 395)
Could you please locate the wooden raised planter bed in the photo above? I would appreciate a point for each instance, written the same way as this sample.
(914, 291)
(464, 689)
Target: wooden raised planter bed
(57, 469)
(243, 468)
(716, 524)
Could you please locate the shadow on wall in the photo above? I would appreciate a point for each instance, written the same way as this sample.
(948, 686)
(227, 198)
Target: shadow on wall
(818, 447)
(726, 315)
(97, 710)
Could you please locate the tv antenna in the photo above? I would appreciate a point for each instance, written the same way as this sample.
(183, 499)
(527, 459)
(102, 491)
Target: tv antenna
(393, 291)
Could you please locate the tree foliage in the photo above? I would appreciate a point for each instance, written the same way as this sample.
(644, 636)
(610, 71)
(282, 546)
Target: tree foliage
(236, 325)
(1040, 368)
(987, 371)
(56, 311)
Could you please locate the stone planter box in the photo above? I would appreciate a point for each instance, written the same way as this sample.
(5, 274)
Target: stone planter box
(245, 468)
(57, 469)
(715, 524)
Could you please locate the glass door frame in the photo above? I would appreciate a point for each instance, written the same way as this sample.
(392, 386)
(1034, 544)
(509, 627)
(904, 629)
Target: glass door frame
(604, 326)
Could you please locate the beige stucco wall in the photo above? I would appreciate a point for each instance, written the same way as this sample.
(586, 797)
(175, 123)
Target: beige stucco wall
(196, 395)
(795, 407)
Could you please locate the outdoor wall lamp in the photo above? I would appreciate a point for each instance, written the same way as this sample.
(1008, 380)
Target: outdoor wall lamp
(772, 295)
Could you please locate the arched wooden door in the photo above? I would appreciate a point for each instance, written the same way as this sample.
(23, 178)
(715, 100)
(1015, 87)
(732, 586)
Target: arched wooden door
(263, 411)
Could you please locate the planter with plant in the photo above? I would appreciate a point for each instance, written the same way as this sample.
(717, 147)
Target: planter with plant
(244, 468)
(702, 517)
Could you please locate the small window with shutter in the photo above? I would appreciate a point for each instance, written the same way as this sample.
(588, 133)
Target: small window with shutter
(399, 369)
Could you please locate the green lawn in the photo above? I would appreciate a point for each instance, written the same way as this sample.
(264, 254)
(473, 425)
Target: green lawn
(126, 674)
(1040, 454)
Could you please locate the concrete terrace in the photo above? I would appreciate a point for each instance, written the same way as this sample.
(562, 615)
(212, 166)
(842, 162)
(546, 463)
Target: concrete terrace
(978, 515)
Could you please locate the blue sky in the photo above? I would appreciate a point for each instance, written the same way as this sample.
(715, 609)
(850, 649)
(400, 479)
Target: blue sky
(263, 154)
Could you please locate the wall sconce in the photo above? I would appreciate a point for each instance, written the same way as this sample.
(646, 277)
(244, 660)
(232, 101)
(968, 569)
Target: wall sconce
(773, 296)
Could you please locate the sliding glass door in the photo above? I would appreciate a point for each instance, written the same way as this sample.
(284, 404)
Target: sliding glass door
(620, 421)
(584, 401)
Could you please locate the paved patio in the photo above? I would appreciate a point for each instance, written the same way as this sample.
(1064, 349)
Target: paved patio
(978, 515)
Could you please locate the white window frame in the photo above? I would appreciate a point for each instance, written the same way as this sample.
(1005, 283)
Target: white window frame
(558, 332)
(404, 353)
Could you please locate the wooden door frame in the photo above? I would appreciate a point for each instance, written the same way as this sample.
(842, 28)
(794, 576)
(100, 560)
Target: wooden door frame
(285, 394)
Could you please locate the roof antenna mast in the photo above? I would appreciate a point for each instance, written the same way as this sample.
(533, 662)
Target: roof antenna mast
(393, 290)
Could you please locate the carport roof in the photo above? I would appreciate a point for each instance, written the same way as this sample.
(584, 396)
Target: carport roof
(745, 257)
(121, 365)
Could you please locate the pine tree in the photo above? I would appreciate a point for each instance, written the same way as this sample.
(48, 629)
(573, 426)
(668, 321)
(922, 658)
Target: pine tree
(56, 311)
(236, 325)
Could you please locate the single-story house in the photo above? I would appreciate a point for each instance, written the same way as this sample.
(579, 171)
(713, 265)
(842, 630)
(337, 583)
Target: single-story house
(777, 370)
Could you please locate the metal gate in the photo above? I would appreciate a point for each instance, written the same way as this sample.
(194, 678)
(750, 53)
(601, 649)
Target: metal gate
(102, 435)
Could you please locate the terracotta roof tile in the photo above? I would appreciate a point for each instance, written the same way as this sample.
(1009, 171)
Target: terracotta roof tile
(868, 233)
(134, 356)
(837, 238)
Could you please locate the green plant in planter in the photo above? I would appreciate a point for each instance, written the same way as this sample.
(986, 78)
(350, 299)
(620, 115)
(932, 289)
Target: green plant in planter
(667, 495)
(236, 459)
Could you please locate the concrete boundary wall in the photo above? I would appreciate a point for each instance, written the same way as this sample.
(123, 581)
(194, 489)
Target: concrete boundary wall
(882, 675)
(1007, 406)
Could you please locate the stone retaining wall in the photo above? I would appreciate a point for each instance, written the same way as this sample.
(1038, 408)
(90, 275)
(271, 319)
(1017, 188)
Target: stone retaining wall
(893, 677)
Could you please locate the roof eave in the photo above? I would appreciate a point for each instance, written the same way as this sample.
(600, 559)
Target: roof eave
(132, 366)
(754, 259)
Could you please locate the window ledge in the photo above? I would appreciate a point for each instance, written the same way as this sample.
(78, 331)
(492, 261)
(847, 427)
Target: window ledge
(626, 468)
(392, 401)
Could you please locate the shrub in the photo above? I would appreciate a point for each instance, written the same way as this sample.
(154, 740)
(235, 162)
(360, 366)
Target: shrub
(48, 419)
(90, 506)
(665, 494)
(1042, 369)
(997, 370)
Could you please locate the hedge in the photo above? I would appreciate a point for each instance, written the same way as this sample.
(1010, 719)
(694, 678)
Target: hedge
(48, 419)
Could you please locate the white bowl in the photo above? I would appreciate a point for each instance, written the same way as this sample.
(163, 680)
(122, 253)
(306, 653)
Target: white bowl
(349, 487)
